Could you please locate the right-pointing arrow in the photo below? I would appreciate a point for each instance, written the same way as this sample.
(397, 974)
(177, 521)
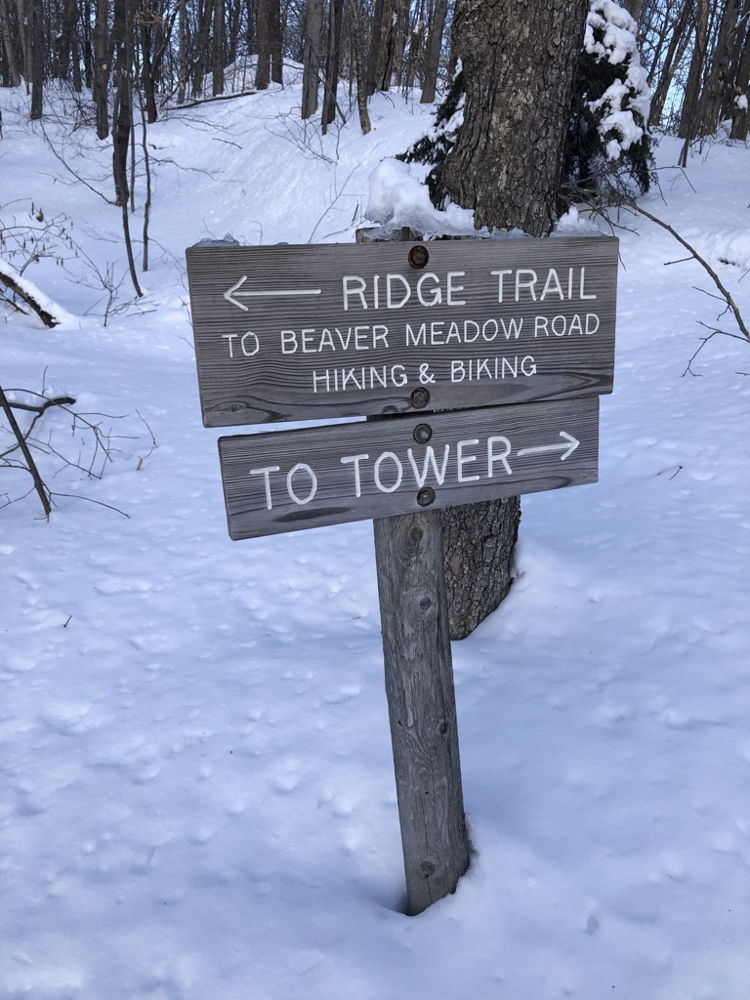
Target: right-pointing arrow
(567, 448)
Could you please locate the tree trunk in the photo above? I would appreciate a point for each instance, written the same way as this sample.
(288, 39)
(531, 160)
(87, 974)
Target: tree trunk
(24, 37)
(507, 161)
(434, 45)
(37, 59)
(741, 117)
(678, 43)
(101, 69)
(122, 113)
(714, 97)
(311, 57)
(634, 8)
(690, 104)
(148, 71)
(263, 67)
(519, 69)
(275, 41)
(182, 63)
(65, 39)
(333, 59)
(200, 55)
(359, 71)
(14, 75)
(217, 50)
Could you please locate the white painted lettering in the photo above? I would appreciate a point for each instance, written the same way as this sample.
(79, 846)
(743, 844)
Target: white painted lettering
(490, 330)
(353, 286)
(355, 460)
(420, 476)
(575, 324)
(493, 457)
(462, 460)
(323, 377)
(467, 325)
(379, 335)
(435, 293)
(500, 275)
(552, 286)
(416, 339)
(229, 337)
(288, 342)
(526, 277)
(326, 340)
(583, 294)
(452, 289)
(306, 469)
(266, 473)
(559, 325)
(397, 466)
(512, 329)
(249, 344)
(391, 302)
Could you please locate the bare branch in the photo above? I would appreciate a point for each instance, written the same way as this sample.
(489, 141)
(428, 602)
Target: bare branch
(633, 207)
(41, 489)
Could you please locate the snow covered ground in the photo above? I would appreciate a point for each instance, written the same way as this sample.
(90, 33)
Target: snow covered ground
(196, 788)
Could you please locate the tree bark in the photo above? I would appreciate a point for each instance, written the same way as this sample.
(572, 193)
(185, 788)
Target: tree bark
(713, 100)
(217, 50)
(65, 39)
(519, 72)
(519, 64)
(690, 104)
(200, 54)
(14, 75)
(37, 59)
(359, 71)
(275, 41)
(182, 63)
(101, 69)
(263, 67)
(311, 57)
(740, 116)
(333, 60)
(434, 45)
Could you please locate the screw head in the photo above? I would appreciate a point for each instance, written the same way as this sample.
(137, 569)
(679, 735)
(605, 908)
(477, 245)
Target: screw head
(426, 496)
(422, 433)
(418, 256)
(419, 398)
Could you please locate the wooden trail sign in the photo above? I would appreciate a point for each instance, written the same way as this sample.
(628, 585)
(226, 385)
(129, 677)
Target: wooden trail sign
(514, 337)
(305, 332)
(285, 481)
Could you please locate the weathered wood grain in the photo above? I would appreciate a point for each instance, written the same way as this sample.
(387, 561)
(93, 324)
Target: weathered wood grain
(549, 338)
(289, 480)
(421, 705)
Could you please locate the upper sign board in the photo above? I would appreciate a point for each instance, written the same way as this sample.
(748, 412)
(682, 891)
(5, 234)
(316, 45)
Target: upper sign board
(306, 332)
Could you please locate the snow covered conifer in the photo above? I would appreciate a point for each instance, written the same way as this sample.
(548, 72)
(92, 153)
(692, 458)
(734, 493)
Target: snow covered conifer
(609, 148)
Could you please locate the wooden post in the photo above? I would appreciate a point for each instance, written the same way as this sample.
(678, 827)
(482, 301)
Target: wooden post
(421, 705)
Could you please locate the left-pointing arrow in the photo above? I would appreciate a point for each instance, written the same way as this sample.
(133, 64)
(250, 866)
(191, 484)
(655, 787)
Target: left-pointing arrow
(567, 448)
(234, 294)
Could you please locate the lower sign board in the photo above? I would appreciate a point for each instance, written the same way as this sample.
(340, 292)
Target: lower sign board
(308, 332)
(286, 481)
